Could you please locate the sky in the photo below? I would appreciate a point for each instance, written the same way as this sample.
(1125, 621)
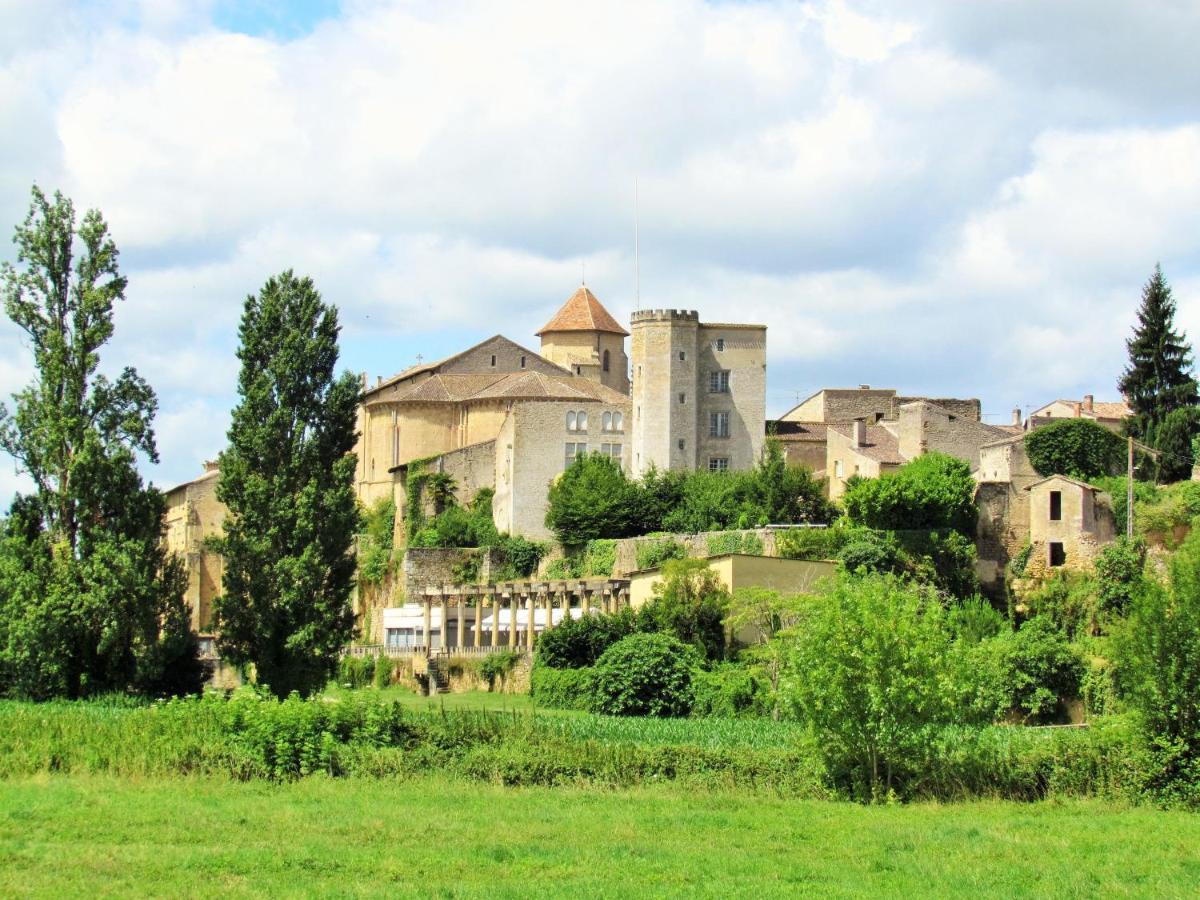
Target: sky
(947, 198)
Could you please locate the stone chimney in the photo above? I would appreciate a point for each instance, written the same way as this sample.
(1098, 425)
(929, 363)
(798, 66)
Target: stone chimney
(864, 387)
(859, 432)
(1089, 403)
(1078, 410)
(211, 465)
(1016, 416)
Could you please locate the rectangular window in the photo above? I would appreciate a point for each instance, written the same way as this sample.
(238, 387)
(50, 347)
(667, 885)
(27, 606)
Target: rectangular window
(682, 356)
(611, 450)
(682, 399)
(1058, 556)
(1056, 506)
(681, 444)
(493, 360)
(522, 362)
(837, 468)
(718, 464)
(720, 344)
(718, 424)
(400, 637)
(572, 452)
(718, 382)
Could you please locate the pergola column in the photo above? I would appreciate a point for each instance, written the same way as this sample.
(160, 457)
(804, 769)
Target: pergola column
(462, 620)
(530, 604)
(495, 620)
(512, 620)
(428, 620)
(476, 640)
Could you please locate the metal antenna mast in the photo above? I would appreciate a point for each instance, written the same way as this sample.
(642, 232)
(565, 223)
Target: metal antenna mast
(637, 268)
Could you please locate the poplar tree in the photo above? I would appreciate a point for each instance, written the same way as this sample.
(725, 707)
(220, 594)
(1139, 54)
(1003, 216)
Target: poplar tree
(90, 600)
(287, 481)
(1159, 378)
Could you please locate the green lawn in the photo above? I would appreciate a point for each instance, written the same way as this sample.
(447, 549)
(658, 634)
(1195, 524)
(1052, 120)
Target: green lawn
(478, 700)
(65, 836)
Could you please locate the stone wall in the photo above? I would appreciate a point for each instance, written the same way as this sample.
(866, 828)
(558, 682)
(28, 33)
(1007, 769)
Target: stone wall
(695, 545)
(664, 369)
(424, 566)
(963, 408)
(193, 514)
(745, 358)
(926, 428)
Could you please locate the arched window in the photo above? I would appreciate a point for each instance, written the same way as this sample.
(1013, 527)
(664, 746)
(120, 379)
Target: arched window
(571, 421)
(606, 421)
(582, 420)
(605, 360)
(618, 422)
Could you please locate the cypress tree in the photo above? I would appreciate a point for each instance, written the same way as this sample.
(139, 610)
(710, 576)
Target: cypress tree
(287, 481)
(1159, 378)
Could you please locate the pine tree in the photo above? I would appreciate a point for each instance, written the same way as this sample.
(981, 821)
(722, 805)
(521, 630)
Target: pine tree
(90, 601)
(1159, 377)
(287, 480)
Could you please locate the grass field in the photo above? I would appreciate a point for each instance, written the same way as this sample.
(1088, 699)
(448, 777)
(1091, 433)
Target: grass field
(64, 836)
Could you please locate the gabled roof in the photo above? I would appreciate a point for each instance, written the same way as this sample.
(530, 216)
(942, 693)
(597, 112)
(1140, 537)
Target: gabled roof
(582, 312)
(797, 431)
(511, 386)
(437, 365)
(1067, 478)
(880, 444)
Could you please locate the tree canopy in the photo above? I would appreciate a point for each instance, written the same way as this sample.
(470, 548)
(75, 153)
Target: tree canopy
(90, 601)
(287, 481)
(1158, 380)
(1079, 448)
(932, 492)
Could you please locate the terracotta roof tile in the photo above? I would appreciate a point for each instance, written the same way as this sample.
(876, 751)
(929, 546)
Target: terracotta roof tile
(782, 430)
(513, 386)
(582, 312)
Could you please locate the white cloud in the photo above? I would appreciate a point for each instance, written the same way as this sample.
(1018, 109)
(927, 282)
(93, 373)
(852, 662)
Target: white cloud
(955, 197)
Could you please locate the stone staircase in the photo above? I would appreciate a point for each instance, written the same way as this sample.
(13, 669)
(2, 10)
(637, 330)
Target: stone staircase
(438, 674)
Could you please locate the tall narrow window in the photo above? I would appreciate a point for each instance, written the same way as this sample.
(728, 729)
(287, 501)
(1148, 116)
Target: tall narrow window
(582, 420)
(682, 356)
(605, 361)
(571, 420)
(493, 360)
(522, 362)
(618, 422)
(1056, 506)
(682, 399)
(572, 452)
(720, 344)
(718, 424)
(606, 422)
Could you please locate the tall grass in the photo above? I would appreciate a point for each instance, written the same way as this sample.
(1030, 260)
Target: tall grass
(252, 737)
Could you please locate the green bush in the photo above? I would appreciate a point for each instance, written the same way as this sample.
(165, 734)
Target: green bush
(356, 671)
(729, 690)
(653, 552)
(1119, 573)
(931, 493)
(576, 643)
(562, 568)
(1158, 670)
(592, 499)
(562, 688)
(870, 552)
(748, 543)
(812, 543)
(1079, 448)
(521, 557)
(599, 558)
(645, 675)
(690, 603)
(1041, 669)
(1067, 600)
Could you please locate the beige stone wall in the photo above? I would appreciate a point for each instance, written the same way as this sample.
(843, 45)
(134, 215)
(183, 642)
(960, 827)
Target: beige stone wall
(745, 358)
(664, 389)
(582, 352)
(1085, 528)
(531, 453)
(673, 358)
(194, 514)
(839, 449)
(926, 428)
(810, 454)
(478, 360)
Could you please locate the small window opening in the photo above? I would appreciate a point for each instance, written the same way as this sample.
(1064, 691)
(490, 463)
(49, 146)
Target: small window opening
(720, 344)
(493, 360)
(522, 362)
(682, 356)
(606, 361)
(1058, 556)
(1056, 506)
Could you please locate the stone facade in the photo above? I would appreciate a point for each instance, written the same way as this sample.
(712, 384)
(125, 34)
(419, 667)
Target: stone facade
(699, 392)
(1069, 523)
(194, 514)
(532, 451)
(597, 356)
(858, 449)
(924, 427)
(1002, 499)
(1109, 414)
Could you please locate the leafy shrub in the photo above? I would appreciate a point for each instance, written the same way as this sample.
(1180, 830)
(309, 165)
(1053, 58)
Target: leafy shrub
(521, 557)
(645, 675)
(1019, 562)
(375, 541)
(974, 620)
(498, 665)
(564, 567)
(562, 688)
(748, 543)
(1079, 448)
(812, 543)
(945, 559)
(872, 669)
(689, 603)
(932, 492)
(870, 552)
(356, 671)
(599, 558)
(591, 499)
(1158, 670)
(1040, 668)
(1119, 569)
(1067, 600)
(653, 552)
(576, 643)
(728, 691)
